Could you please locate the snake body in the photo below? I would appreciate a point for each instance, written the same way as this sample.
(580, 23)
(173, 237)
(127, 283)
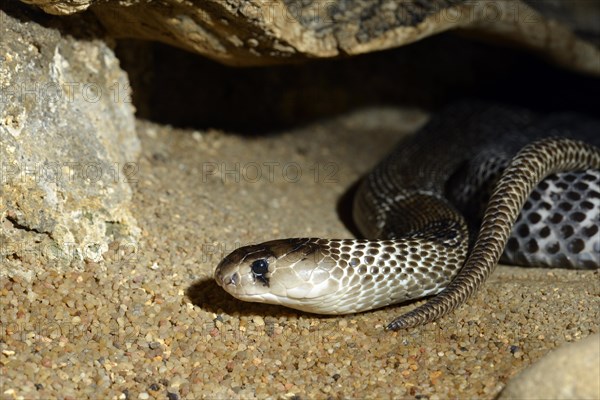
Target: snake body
(420, 210)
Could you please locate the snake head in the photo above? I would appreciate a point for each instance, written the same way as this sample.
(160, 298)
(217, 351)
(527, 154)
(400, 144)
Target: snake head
(290, 272)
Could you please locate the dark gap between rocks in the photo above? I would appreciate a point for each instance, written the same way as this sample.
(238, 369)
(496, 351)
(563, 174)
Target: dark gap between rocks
(172, 86)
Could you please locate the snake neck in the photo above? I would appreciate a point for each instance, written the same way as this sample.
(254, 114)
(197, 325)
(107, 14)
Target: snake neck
(362, 273)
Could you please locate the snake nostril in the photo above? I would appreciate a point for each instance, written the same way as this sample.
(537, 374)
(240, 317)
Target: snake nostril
(234, 279)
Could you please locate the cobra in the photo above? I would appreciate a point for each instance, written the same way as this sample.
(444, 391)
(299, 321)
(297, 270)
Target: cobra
(477, 183)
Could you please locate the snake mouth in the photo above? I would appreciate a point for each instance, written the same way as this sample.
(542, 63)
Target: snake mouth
(224, 279)
(228, 280)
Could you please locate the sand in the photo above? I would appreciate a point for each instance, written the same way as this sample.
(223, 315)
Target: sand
(152, 323)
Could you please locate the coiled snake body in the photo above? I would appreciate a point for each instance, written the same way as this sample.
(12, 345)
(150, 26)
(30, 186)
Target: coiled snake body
(421, 209)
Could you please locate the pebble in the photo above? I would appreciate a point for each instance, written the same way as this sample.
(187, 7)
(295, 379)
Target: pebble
(569, 372)
(154, 345)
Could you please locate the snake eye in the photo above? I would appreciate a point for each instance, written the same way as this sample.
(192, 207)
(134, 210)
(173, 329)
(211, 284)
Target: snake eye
(259, 268)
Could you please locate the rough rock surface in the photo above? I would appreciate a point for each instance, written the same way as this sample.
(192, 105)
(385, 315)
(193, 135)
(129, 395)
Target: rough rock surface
(242, 32)
(67, 145)
(569, 372)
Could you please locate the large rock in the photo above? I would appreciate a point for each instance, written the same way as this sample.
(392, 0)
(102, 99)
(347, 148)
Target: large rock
(569, 372)
(67, 143)
(257, 32)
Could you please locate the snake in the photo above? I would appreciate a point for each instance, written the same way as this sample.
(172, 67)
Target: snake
(478, 184)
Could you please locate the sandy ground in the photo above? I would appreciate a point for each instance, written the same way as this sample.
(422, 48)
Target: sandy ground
(154, 325)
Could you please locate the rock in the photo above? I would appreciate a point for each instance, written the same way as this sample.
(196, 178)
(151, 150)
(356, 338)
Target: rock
(68, 145)
(242, 32)
(64, 7)
(569, 372)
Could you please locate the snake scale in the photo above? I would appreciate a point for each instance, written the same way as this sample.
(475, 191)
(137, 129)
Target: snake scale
(477, 183)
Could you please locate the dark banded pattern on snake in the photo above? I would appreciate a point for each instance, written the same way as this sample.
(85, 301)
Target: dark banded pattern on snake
(409, 206)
